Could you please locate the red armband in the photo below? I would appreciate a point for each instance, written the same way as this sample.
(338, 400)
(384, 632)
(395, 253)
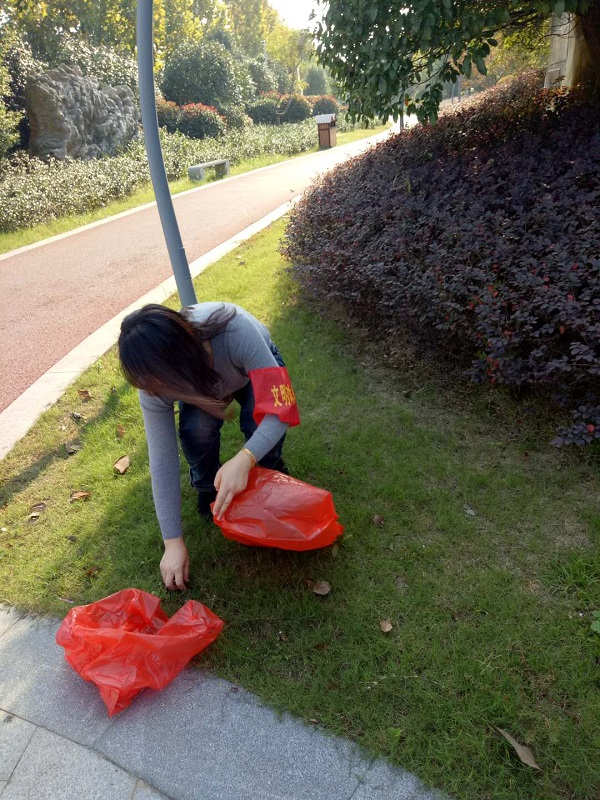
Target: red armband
(273, 394)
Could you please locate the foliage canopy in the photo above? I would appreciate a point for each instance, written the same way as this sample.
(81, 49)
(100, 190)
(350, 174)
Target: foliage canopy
(387, 55)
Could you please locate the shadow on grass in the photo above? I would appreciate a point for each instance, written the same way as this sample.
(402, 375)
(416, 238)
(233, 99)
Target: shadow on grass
(20, 480)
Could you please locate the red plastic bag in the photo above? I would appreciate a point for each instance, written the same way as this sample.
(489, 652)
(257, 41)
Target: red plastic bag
(126, 643)
(276, 510)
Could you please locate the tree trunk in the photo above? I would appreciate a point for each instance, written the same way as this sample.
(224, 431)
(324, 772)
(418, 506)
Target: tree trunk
(583, 63)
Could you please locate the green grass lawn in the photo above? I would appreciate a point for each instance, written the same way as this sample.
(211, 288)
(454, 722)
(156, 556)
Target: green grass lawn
(485, 557)
(16, 239)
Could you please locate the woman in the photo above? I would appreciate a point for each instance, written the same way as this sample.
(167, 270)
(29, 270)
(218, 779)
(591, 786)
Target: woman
(204, 357)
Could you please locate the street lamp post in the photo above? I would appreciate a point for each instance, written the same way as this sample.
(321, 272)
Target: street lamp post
(164, 201)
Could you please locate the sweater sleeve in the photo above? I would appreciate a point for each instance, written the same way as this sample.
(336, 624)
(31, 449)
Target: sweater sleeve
(248, 350)
(159, 422)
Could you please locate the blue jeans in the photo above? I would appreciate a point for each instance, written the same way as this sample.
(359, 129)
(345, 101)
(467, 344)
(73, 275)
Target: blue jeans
(200, 436)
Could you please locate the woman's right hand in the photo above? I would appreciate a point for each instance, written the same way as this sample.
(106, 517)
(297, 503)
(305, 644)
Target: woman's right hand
(175, 564)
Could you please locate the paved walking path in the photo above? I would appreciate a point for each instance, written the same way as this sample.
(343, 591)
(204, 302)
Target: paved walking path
(62, 300)
(201, 738)
(54, 294)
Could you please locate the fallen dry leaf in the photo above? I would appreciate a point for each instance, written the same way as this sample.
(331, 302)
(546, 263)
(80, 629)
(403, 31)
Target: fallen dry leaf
(120, 431)
(72, 448)
(321, 588)
(523, 752)
(121, 465)
(321, 646)
(79, 496)
(378, 519)
(92, 571)
(335, 550)
(281, 636)
(33, 517)
(76, 416)
(66, 600)
(471, 512)
(39, 507)
(84, 394)
(386, 625)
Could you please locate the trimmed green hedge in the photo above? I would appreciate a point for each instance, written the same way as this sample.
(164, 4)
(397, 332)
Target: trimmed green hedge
(33, 191)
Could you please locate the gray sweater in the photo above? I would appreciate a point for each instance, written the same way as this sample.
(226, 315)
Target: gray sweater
(243, 346)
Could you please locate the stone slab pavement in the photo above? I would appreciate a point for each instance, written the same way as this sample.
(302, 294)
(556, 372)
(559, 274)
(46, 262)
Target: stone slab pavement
(201, 738)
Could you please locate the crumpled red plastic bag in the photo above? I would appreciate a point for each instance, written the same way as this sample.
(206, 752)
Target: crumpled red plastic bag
(276, 510)
(126, 643)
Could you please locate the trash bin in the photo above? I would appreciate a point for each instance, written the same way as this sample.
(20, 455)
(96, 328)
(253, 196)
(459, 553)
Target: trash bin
(327, 130)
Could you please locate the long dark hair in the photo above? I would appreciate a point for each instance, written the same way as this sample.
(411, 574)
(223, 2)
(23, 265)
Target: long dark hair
(162, 352)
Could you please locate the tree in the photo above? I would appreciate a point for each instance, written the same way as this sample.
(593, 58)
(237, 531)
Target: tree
(202, 73)
(378, 51)
(290, 48)
(110, 23)
(521, 51)
(316, 81)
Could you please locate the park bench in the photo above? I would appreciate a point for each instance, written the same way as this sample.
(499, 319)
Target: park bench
(198, 171)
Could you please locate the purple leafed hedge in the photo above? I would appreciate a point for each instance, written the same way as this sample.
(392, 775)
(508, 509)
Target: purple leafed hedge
(481, 236)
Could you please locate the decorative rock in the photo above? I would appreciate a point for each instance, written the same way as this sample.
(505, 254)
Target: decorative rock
(75, 116)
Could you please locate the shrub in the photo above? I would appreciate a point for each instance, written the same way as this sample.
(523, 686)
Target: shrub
(19, 62)
(244, 83)
(198, 121)
(264, 111)
(235, 117)
(168, 114)
(325, 105)
(477, 235)
(110, 65)
(294, 108)
(33, 191)
(201, 73)
(317, 82)
(262, 76)
(9, 120)
(283, 79)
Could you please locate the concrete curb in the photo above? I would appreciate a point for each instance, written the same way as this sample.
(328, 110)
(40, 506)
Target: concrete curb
(200, 738)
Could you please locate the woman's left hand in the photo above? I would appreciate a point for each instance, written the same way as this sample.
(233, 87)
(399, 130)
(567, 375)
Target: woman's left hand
(230, 480)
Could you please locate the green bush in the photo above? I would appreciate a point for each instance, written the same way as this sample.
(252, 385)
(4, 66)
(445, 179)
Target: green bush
(9, 120)
(33, 191)
(199, 121)
(325, 105)
(168, 114)
(235, 117)
(317, 82)
(20, 63)
(264, 111)
(109, 64)
(244, 83)
(202, 73)
(262, 76)
(285, 84)
(294, 108)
